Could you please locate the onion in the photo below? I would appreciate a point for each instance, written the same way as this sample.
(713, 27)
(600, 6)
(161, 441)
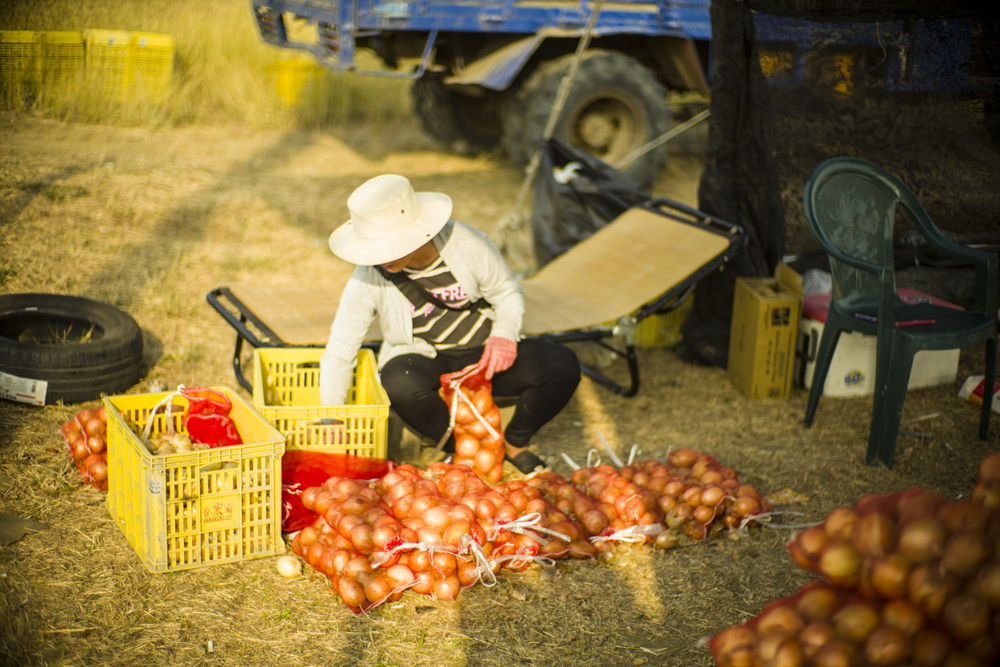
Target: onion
(307, 536)
(400, 575)
(437, 517)
(682, 458)
(903, 614)
(966, 617)
(446, 588)
(874, 534)
(95, 427)
(987, 493)
(466, 447)
(930, 648)
(674, 487)
(929, 588)
(357, 564)
(315, 553)
(817, 601)
(988, 584)
(855, 621)
(423, 583)
(922, 540)
(692, 496)
(666, 503)
(735, 646)
(778, 650)
(712, 495)
(779, 619)
(745, 506)
(704, 514)
(485, 459)
(963, 515)
(456, 530)
(837, 653)
(703, 464)
(807, 547)
(377, 586)
(350, 591)
(420, 561)
(889, 576)
(886, 645)
(814, 637)
(361, 538)
(323, 501)
(989, 468)
(289, 566)
(594, 522)
(96, 444)
(308, 497)
(965, 552)
(98, 470)
(840, 562)
(840, 523)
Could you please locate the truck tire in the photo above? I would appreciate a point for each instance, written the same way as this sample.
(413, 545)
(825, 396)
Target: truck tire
(614, 107)
(462, 124)
(82, 348)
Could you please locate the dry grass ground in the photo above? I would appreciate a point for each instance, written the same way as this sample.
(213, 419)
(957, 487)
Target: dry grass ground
(151, 220)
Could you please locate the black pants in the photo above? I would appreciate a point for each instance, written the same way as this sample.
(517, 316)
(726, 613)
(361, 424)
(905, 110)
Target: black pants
(543, 378)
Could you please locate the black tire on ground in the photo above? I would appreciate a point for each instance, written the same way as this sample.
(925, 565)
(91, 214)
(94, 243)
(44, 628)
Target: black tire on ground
(462, 124)
(82, 348)
(614, 107)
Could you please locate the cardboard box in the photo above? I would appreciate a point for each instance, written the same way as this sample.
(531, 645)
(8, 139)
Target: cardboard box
(762, 339)
(852, 368)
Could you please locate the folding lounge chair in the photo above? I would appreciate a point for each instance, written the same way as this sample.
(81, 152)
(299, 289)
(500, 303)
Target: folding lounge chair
(647, 258)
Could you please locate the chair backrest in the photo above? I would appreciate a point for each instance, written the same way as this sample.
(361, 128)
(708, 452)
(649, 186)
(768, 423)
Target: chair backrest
(851, 207)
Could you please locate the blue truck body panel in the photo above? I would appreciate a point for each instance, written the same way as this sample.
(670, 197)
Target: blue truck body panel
(342, 24)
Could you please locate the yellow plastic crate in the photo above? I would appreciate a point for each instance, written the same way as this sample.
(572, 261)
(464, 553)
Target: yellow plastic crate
(661, 329)
(187, 510)
(292, 77)
(109, 60)
(286, 392)
(62, 56)
(19, 64)
(153, 55)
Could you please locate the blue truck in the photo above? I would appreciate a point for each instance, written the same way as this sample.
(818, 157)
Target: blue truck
(487, 73)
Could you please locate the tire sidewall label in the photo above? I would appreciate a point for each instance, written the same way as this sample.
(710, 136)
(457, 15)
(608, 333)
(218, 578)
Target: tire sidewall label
(23, 390)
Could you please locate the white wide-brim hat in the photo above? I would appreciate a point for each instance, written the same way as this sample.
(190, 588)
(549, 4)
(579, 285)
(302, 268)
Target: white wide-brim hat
(388, 221)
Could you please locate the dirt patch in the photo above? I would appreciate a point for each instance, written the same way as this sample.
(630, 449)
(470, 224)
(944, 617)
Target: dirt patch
(151, 220)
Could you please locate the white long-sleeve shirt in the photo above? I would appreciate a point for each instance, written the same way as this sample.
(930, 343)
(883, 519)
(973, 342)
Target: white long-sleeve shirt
(474, 261)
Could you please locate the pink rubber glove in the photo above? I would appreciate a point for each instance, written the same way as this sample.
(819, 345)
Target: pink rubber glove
(498, 355)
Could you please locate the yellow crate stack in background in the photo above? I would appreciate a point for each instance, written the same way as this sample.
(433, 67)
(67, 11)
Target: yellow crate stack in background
(206, 507)
(286, 393)
(109, 60)
(62, 56)
(123, 65)
(20, 71)
(153, 55)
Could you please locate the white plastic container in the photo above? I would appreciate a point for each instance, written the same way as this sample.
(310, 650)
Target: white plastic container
(852, 368)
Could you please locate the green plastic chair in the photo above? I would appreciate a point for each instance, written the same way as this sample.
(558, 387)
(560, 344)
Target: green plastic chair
(851, 205)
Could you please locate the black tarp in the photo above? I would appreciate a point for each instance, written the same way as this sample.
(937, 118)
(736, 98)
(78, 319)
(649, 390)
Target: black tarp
(575, 194)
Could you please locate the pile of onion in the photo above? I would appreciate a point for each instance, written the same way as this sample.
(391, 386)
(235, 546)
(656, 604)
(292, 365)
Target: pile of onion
(442, 528)
(478, 433)
(691, 493)
(910, 579)
(86, 438)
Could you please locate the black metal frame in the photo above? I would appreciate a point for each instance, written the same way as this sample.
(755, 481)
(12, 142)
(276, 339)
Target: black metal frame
(224, 302)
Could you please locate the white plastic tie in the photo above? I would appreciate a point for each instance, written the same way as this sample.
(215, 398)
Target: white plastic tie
(632, 534)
